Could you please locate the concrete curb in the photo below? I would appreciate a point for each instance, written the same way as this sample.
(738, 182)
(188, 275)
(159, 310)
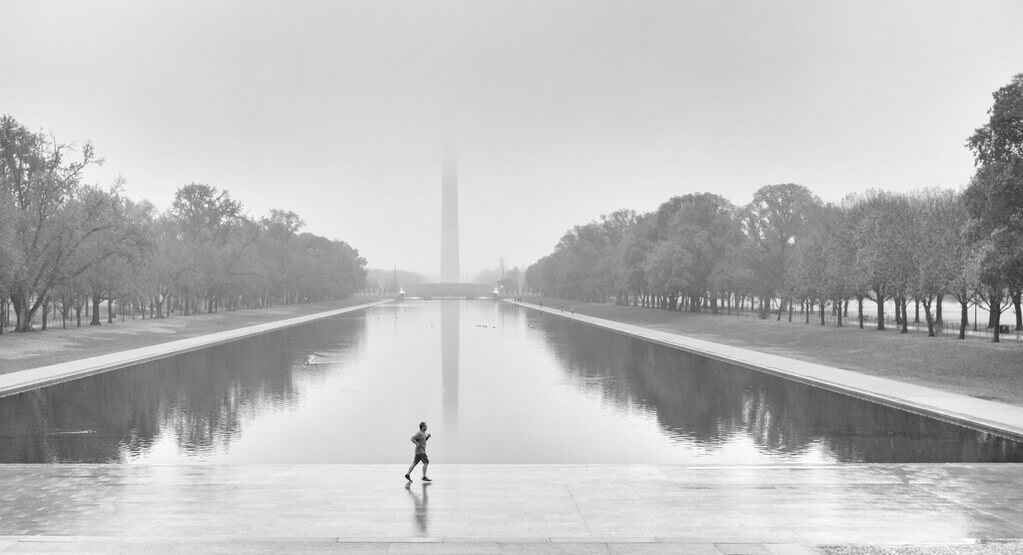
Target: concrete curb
(33, 378)
(987, 416)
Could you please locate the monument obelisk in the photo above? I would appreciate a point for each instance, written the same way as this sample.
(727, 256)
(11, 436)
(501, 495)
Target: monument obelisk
(449, 272)
(450, 309)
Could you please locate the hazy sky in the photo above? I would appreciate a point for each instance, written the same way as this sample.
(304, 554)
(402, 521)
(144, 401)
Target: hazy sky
(561, 111)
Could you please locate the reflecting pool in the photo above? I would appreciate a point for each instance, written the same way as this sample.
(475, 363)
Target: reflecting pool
(497, 383)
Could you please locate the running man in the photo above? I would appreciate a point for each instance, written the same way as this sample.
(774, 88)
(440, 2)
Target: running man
(420, 440)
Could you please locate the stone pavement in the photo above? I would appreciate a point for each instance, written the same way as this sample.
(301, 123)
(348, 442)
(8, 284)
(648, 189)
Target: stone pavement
(989, 416)
(499, 508)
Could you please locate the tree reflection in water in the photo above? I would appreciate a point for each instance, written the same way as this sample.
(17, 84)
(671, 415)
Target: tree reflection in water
(709, 403)
(288, 390)
(202, 399)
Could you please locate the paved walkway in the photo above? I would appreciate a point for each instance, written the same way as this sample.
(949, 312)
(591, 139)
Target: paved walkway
(24, 380)
(472, 508)
(1000, 418)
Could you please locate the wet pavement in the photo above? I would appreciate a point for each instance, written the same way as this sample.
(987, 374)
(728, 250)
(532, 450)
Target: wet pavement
(785, 508)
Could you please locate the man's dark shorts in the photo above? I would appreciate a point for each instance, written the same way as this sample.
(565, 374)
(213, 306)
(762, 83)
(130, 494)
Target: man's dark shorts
(421, 457)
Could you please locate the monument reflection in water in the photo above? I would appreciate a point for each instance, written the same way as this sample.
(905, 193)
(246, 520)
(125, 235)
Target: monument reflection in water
(450, 324)
(497, 383)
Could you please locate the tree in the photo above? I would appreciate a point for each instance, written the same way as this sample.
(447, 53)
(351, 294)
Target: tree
(1001, 138)
(705, 227)
(1000, 257)
(884, 257)
(62, 240)
(330, 269)
(629, 257)
(511, 283)
(205, 212)
(808, 275)
(104, 257)
(994, 198)
(773, 221)
(9, 259)
(665, 269)
(212, 225)
(41, 181)
(939, 247)
(586, 263)
(946, 254)
(282, 225)
(616, 228)
(842, 281)
(732, 276)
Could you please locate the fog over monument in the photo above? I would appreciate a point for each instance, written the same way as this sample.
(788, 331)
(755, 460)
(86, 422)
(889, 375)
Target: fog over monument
(449, 219)
(579, 109)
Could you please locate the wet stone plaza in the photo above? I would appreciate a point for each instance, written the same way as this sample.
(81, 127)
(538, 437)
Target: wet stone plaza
(549, 436)
(666, 508)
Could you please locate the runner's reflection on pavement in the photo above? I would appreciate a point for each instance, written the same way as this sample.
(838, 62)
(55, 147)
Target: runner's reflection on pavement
(422, 514)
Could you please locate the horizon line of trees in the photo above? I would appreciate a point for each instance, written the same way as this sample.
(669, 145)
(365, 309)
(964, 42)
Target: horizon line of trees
(701, 252)
(66, 245)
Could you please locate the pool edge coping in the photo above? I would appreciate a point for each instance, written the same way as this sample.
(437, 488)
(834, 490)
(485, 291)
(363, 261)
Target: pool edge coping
(834, 379)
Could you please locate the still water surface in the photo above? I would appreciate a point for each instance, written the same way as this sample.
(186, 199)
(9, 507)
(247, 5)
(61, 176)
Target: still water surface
(495, 382)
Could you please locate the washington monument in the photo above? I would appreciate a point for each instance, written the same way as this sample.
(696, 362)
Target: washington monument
(449, 272)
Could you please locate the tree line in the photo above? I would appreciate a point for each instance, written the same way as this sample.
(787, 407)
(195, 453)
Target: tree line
(66, 244)
(379, 280)
(786, 247)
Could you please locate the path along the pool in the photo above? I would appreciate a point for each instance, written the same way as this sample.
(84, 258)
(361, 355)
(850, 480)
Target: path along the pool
(989, 416)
